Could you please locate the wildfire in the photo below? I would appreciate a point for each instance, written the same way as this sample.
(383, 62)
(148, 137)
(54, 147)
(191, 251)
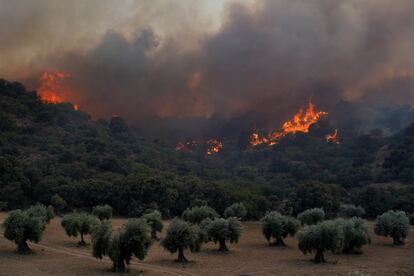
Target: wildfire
(332, 137)
(188, 145)
(52, 88)
(214, 146)
(300, 123)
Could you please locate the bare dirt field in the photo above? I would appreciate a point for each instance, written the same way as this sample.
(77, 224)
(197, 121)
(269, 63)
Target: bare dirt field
(58, 254)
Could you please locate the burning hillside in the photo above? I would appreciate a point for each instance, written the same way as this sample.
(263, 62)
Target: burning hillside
(52, 89)
(300, 122)
(212, 146)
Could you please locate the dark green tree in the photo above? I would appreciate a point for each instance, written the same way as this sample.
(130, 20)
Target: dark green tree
(355, 233)
(153, 218)
(181, 236)
(235, 210)
(276, 226)
(394, 224)
(220, 230)
(102, 211)
(79, 224)
(198, 214)
(349, 211)
(58, 203)
(45, 214)
(20, 227)
(132, 240)
(311, 216)
(320, 238)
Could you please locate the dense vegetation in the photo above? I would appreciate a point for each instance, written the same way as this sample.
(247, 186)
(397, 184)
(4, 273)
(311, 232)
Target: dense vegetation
(53, 154)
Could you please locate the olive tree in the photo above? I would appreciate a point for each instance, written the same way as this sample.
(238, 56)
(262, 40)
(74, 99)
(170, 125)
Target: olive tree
(153, 219)
(78, 224)
(181, 236)
(102, 211)
(235, 210)
(355, 234)
(20, 227)
(394, 224)
(198, 213)
(220, 230)
(132, 240)
(58, 203)
(349, 211)
(45, 214)
(320, 238)
(312, 216)
(278, 227)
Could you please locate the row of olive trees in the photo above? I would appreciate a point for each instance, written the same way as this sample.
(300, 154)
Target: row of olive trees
(337, 235)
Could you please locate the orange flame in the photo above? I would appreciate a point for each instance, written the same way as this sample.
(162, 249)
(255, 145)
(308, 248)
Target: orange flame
(52, 88)
(333, 137)
(301, 122)
(214, 146)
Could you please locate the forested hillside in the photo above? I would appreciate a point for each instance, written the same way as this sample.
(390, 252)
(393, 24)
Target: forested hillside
(53, 149)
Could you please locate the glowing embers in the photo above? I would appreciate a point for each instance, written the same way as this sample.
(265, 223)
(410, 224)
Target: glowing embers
(333, 137)
(212, 146)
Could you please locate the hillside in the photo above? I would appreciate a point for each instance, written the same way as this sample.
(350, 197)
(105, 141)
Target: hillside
(49, 149)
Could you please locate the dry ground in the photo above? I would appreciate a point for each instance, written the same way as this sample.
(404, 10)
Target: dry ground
(58, 254)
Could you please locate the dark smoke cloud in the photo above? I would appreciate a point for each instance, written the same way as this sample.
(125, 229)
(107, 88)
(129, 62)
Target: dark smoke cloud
(271, 57)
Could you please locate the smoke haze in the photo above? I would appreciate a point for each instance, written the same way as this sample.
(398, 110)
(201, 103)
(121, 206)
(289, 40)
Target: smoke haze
(142, 59)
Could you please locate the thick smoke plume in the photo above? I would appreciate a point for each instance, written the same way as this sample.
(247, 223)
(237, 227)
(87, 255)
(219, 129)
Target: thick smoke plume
(267, 56)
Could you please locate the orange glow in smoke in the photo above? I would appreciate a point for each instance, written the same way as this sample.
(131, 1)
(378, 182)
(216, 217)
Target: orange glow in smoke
(53, 90)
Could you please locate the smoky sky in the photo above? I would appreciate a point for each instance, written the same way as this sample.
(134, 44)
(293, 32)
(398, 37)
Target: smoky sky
(270, 56)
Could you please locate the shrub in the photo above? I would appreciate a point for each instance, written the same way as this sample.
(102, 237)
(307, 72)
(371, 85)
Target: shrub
(20, 227)
(78, 224)
(355, 233)
(102, 212)
(349, 211)
(58, 203)
(132, 240)
(220, 230)
(311, 216)
(198, 214)
(394, 224)
(180, 236)
(235, 210)
(153, 219)
(319, 238)
(277, 226)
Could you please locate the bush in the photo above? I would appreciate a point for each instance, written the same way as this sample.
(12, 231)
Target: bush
(132, 240)
(235, 210)
(153, 219)
(221, 230)
(180, 236)
(319, 238)
(277, 226)
(412, 219)
(394, 224)
(355, 234)
(58, 203)
(102, 212)
(311, 216)
(78, 224)
(349, 211)
(198, 214)
(20, 227)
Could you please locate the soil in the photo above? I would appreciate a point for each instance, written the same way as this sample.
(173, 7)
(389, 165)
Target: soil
(58, 254)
